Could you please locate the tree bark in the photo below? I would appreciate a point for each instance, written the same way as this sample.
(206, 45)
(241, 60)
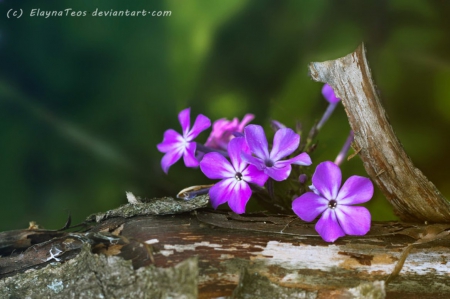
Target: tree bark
(252, 256)
(412, 195)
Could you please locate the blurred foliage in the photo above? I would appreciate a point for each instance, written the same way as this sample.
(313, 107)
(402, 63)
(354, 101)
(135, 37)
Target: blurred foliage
(85, 100)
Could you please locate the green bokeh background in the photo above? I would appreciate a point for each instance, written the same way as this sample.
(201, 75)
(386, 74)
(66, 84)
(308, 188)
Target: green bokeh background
(85, 100)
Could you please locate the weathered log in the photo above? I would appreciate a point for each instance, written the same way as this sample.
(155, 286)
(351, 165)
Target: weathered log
(253, 256)
(412, 195)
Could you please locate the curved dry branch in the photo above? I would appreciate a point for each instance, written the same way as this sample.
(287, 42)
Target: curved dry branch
(412, 195)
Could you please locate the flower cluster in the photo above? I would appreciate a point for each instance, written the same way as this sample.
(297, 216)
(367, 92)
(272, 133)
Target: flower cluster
(239, 155)
(236, 154)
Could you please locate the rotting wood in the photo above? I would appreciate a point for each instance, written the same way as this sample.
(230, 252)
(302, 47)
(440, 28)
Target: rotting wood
(412, 195)
(296, 261)
(94, 276)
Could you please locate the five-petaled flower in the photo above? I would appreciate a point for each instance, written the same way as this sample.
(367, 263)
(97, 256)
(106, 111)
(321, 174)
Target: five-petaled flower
(338, 218)
(285, 142)
(235, 176)
(223, 129)
(175, 145)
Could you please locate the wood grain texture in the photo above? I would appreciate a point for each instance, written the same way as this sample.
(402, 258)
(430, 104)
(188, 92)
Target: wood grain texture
(246, 256)
(412, 195)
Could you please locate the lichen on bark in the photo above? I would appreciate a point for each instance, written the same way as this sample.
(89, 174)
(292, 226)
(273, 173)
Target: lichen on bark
(99, 276)
(155, 206)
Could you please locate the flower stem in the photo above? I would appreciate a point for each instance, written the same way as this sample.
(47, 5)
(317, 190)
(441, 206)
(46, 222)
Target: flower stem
(326, 115)
(340, 157)
(205, 149)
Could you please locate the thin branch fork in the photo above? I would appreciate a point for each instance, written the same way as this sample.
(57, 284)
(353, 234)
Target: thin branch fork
(412, 195)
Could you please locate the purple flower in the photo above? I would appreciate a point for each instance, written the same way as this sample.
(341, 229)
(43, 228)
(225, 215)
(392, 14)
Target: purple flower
(338, 218)
(328, 94)
(223, 130)
(175, 145)
(285, 142)
(234, 176)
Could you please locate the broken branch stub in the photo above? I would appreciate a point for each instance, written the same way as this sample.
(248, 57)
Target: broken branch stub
(412, 195)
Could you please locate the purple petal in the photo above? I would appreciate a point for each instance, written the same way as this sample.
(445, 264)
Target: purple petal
(328, 226)
(356, 190)
(327, 179)
(189, 155)
(253, 161)
(201, 123)
(252, 175)
(235, 148)
(169, 159)
(247, 118)
(216, 166)
(278, 173)
(220, 192)
(171, 141)
(309, 205)
(285, 142)
(353, 220)
(276, 125)
(185, 120)
(239, 197)
(302, 159)
(218, 129)
(314, 189)
(234, 124)
(257, 141)
(329, 94)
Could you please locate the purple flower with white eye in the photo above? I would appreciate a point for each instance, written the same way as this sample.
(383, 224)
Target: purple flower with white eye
(235, 176)
(339, 217)
(223, 129)
(175, 145)
(285, 142)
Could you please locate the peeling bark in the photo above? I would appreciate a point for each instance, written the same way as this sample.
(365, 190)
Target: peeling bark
(412, 195)
(242, 256)
(99, 276)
